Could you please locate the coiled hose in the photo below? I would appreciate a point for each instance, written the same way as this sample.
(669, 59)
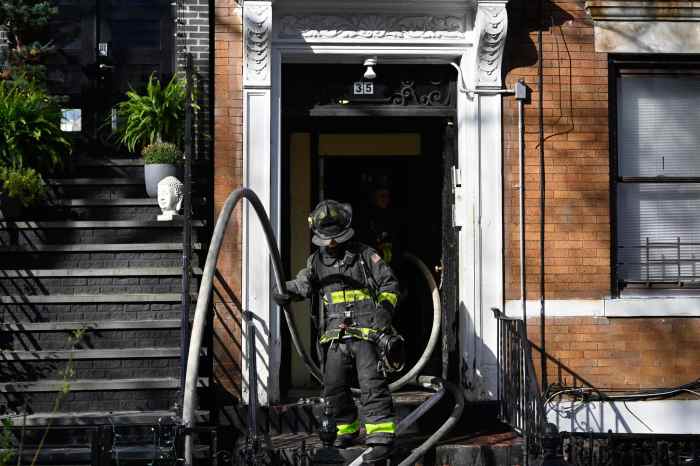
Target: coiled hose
(204, 300)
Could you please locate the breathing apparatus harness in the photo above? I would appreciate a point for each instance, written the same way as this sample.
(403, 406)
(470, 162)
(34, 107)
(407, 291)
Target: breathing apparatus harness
(391, 347)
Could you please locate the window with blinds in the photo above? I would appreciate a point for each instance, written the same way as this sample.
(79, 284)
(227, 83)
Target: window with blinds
(658, 180)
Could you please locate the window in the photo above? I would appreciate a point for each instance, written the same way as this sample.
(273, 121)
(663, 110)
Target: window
(657, 179)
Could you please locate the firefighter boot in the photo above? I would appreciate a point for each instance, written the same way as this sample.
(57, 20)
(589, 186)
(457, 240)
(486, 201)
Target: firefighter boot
(379, 454)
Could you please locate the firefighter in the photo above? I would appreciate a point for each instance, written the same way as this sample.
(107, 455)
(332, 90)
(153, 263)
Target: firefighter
(359, 292)
(382, 227)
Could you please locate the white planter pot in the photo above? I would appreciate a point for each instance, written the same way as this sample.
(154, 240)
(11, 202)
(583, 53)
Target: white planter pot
(155, 172)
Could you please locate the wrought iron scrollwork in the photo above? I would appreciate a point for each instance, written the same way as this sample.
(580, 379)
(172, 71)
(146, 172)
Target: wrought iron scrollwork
(395, 86)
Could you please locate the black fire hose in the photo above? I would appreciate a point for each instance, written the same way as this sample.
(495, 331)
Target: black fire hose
(204, 300)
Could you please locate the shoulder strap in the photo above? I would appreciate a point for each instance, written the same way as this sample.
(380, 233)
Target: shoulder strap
(367, 273)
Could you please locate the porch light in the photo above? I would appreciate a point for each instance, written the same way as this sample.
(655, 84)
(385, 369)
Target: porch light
(369, 72)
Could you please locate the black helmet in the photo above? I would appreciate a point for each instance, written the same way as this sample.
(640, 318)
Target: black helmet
(330, 220)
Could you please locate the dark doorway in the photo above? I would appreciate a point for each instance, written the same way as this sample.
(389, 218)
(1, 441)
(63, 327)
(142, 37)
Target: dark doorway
(104, 48)
(403, 156)
(396, 135)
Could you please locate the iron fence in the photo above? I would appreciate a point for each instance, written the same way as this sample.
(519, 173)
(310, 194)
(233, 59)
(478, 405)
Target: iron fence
(631, 450)
(521, 403)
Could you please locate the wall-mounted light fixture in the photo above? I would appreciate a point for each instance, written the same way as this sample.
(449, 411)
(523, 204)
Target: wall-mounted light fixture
(369, 72)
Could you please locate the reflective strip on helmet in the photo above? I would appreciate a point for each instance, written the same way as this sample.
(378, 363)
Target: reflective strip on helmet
(380, 428)
(349, 296)
(388, 296)
(347, 429)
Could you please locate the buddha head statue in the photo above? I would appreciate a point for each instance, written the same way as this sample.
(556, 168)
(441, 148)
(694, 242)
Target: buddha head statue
(170, 194)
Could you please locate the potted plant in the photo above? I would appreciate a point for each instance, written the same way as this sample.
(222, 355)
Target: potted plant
(19, 188)
(160, 160)
(153, 119)
(30, 128)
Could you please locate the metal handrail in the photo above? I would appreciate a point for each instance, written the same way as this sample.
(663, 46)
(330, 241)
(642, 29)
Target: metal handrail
(521, 402)
(187, 223)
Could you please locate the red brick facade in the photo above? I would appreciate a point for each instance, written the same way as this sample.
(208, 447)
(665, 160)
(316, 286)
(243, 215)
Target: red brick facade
(629, 353)
(228, 175)
(620, 353)
(575, 95)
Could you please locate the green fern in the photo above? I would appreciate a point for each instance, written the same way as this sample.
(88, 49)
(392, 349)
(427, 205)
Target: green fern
(153, 117)
(30, 128)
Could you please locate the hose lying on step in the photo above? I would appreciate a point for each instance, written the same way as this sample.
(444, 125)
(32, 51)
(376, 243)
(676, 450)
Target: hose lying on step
(204, 301)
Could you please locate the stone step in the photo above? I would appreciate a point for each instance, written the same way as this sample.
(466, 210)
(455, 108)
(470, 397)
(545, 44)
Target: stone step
(97, 248)
(89, 202)
(87, 418)
(106, 273)
(89, 354)
(97, 224)
(37, 327)
(83, 385)
(125, 298)
(117, 181)
(86, 161)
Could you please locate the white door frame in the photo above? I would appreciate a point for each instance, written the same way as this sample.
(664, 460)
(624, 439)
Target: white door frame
(471, 34)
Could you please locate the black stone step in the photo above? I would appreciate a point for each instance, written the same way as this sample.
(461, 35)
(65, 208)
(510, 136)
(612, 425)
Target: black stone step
(91, 418)
(97, 224)
(87, 161)
(84, 385)
(118, 181)
(102, 273)
(37, 327)
(97, 248)
(124, 298)
(89, 354)
(133, 202)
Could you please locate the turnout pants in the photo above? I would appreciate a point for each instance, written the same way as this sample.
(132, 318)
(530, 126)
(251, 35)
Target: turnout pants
(375, 399)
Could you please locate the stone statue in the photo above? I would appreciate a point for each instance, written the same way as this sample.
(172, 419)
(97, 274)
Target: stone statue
(170, 194)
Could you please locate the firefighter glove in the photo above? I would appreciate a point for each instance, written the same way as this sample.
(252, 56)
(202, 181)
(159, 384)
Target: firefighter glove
(383, 315)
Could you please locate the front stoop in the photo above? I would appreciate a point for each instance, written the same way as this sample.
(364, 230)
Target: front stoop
(481, 449)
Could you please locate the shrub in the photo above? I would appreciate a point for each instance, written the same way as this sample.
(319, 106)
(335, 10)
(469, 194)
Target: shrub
(30, 128)
(22, 184)
(162, 152)
(153, 117)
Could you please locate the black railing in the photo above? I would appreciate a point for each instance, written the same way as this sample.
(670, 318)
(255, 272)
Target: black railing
(187, 223)
(653, 263)
(632, 450)
(521, 403)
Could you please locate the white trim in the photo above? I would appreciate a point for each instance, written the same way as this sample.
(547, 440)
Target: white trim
(621, 307)
(557, 308)
(479, 121)
(638, 417)
(258, 172)
(652, 307)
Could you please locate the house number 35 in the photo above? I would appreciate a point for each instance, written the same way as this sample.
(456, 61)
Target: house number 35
(363, 88)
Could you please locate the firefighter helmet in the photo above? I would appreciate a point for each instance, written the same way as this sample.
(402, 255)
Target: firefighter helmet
(330, 221)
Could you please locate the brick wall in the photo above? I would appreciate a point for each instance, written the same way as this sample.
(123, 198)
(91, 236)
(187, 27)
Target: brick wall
(228, 175)
(194, 36)
(575, 94)
(632, 353)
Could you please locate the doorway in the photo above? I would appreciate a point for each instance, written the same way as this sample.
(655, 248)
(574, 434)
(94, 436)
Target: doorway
(391, 141)
(357, 161)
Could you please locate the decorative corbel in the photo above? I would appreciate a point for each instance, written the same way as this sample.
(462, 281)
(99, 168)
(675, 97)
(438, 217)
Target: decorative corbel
(257, 33)
(490, 29)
